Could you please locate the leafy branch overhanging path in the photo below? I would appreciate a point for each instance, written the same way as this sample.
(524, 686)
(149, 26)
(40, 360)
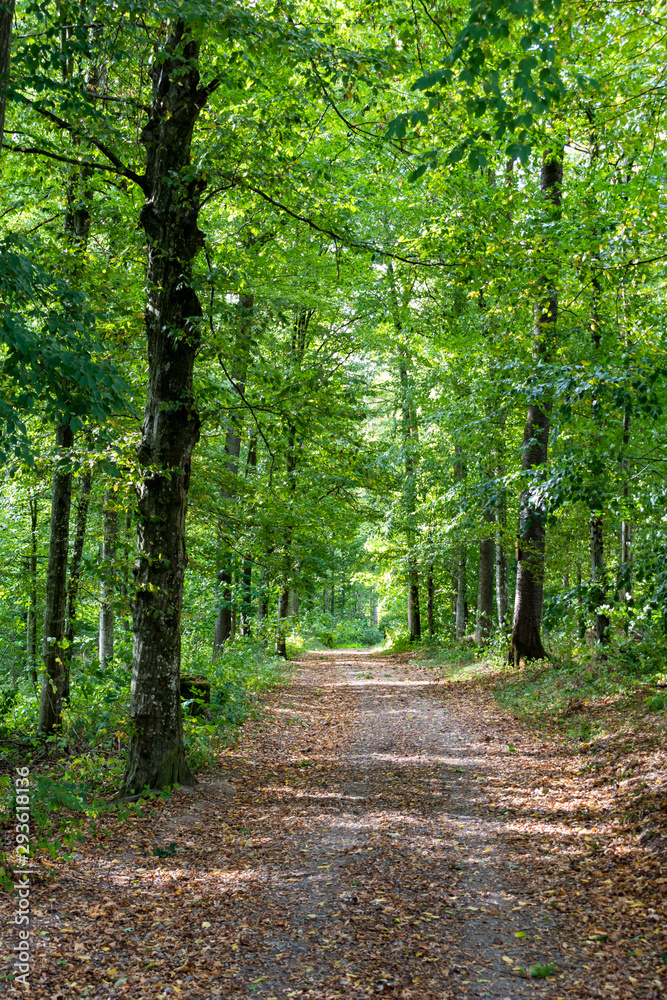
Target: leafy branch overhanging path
(376, 832)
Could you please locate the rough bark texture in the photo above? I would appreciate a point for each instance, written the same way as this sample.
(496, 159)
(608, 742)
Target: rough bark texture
(31, 624)
(107, 588)
(171, 423)
(598, 582)
(526, 639)
(50, 707)
(485, 589)
(75, 574)
(6, 20)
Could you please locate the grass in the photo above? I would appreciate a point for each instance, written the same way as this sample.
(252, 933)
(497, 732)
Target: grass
(581, 696)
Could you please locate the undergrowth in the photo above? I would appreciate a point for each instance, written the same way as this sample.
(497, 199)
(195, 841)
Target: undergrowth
(75, 773)
(584, 695)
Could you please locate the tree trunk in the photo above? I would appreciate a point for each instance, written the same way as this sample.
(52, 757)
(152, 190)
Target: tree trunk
(238, 374)
(283, 610)
(526, 640)
(414, 622)
(107, 586)
(461, 594)
(430, 601)
(50, 707)
(598, 583)
(171, 423)
(325, 599)
(6, 22)
(485, 588)
(75, 575)
(374, 610)
(294, 603)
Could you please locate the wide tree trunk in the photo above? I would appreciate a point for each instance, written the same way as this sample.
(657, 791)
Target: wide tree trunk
(53, 654)
(485, 589)
(526, 639)
(598, 581)
(31, 624)
(171, 423)
(6, 22)
(107, 586)
(75, 575)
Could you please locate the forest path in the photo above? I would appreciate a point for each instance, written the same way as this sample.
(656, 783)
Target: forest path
(386, 834)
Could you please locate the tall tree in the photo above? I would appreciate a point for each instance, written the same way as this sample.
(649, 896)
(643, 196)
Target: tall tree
(173, 191)
(526, 640)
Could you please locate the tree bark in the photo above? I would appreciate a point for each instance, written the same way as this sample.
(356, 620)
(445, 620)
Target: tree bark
(107, 585)
(50, 707)
(526, 640)
(6, 22)
(75, 575)
(31, 625)
(485, 587)
(171, 423)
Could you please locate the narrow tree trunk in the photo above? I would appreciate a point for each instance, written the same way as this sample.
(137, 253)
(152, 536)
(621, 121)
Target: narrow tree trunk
(75, 575)
(283, 611)
(485, 589)
(325, 599)
(598, 583)
(238, 373)
(50, 707)
(6, 22)
(107, 587)
(415, 616)
(526, 640)
(430, 601)
(374, 610)
(294, 603)
(171, 423)
(461, 594)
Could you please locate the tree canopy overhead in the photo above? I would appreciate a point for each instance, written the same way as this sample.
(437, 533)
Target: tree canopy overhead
(342, 322)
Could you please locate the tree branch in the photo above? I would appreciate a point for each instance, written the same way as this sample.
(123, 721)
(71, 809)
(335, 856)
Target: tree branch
(103, 148)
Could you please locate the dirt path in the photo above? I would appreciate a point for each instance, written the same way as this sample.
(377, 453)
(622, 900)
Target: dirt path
(382, 836)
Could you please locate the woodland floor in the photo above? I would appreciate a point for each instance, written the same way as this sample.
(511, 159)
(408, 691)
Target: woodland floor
(386, 833)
